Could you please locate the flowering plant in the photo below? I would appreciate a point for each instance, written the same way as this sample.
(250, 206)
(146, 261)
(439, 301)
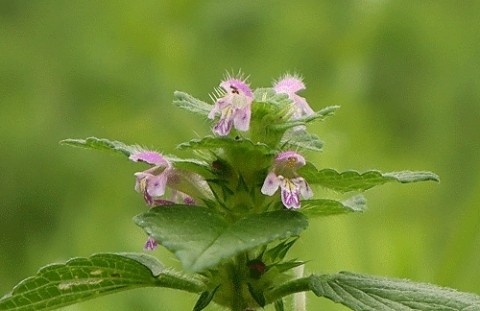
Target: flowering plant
(231, 214)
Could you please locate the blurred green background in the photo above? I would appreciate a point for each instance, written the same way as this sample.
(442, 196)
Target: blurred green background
(406, 73)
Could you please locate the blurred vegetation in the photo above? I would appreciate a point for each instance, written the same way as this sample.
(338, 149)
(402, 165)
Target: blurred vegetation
(406, 74)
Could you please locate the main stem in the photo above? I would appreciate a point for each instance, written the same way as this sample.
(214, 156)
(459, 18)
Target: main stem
(237, 273)
(299, 299)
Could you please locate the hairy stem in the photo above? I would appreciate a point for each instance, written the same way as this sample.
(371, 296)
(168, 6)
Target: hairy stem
(237, 276)
(299, 299)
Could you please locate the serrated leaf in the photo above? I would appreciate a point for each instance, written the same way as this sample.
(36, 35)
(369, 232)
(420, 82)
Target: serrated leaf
(409, 176)
(79, 279)
(302, 139)
(355, 181)
(192, 165)
(319, 115)
(365, 292)
(101, 144)
(201, 238)
(190, 103)
(211, 142)
(328, 207)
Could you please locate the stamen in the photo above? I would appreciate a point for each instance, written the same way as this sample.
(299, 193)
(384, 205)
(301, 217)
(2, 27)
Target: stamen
(234, 89)
(143, 184)
(291, 162)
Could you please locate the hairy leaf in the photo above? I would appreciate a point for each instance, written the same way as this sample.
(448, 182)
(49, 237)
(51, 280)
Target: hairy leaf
(364, 292)
(302, 139)
(80, 279)
(319, 115)
(188, 102)
(101, 144)
(327, 207)
(211, 142)
(192, 165)
(201, 238)
(355, 181)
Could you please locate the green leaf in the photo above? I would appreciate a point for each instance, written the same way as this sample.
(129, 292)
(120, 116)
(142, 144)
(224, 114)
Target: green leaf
(190, 103)
(355, 181)
(204, 299)
(319, 115)
(408, 176)
(279, 251)
(101, 144)
(288, 265)
(79, 279)
(279, 305)
(104, 144)
(370, 293)
(257, 295)
(192, 165)
(211, 142)
(302, 139)
(269, 96)
(201, 238)
(364, 292)
(327, 207)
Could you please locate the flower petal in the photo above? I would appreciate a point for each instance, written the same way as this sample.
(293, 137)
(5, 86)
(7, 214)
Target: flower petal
(242, 119)
(156, 185)
(150, 157)
(223, 127)
(236, 86)
(289, 84)
(303, 186)
(289, 159)
(290, 194)
(271, 184)
(302, 105)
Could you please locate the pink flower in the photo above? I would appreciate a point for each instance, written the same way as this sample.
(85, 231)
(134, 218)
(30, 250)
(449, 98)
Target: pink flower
(150, 244)
(290, 85)
(153, 181)
(234, 107)
(284, 175)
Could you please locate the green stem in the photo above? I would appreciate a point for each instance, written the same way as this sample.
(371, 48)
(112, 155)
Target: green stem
(292, 287)
(237, 272)
(299, 299)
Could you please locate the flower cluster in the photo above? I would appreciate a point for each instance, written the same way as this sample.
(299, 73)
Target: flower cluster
(234, 103)
(231, 213)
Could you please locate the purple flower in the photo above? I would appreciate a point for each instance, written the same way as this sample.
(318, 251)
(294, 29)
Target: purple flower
(234, 107)
(284, 175)
(290, 85)
(178, 196)
(153, 181)
(151, 244)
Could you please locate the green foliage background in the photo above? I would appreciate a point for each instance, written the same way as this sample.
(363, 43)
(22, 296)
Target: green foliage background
(406, 74)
